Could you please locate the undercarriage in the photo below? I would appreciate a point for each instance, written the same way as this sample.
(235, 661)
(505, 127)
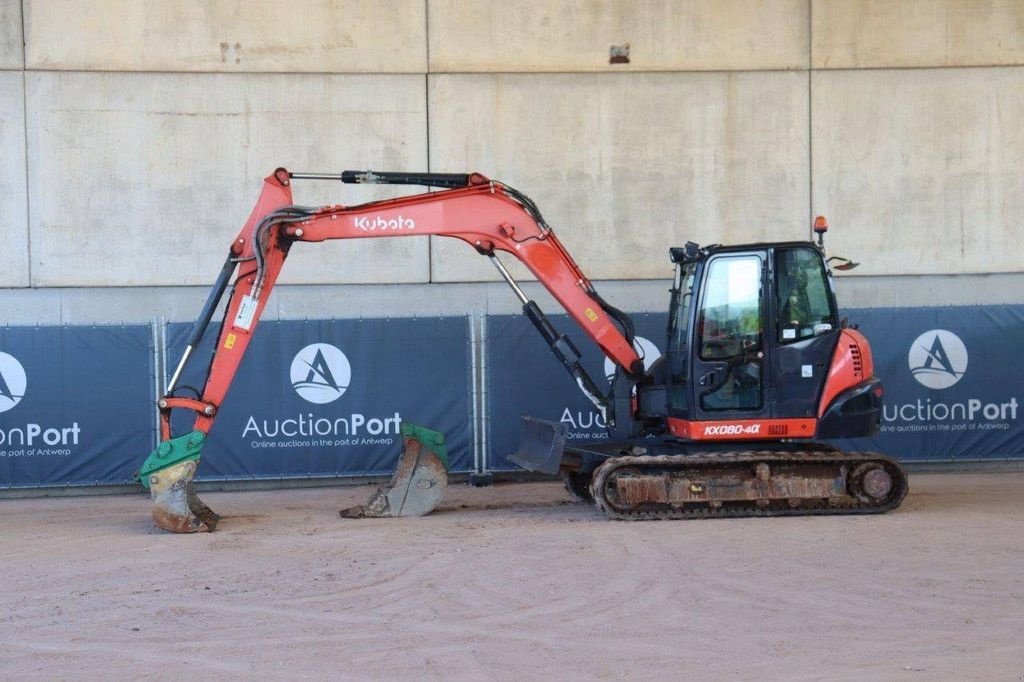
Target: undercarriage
(662, 480)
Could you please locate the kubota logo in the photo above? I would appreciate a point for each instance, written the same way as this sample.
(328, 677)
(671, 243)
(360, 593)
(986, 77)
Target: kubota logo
(320, 373)
(644, 348)
(382, 223)
(12, 382)
(937, 358)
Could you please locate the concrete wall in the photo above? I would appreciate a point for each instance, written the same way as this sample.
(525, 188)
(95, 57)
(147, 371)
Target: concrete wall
(314, 36)
(149, 125)
(14, 255)
(144, 179)
(866, 34)
(576, 35)
(922, 170)
(12, 54)
(621, 170)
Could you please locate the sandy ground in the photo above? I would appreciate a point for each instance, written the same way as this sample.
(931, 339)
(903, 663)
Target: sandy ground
(515, 582)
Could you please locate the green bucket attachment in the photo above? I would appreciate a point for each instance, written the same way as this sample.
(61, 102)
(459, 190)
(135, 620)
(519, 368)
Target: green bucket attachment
(167, 473)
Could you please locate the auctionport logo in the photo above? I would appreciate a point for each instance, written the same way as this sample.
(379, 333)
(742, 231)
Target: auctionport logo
(12, 382)
(937, 359)
(320, 373)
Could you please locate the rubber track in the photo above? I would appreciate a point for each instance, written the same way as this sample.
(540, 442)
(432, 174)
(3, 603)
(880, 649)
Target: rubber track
(681, 463)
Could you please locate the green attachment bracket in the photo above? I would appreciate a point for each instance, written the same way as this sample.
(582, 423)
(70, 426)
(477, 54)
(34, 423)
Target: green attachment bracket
(428, 438)
(171, 452)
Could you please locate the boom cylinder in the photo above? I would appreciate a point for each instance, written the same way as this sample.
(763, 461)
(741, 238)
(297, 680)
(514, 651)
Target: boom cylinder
(352, 177)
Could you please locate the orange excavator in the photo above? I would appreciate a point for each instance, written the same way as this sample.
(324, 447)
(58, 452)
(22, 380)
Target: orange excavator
(729, 422)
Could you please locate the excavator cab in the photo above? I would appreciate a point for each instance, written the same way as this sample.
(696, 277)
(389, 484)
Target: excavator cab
(752, 331)
(758, 370)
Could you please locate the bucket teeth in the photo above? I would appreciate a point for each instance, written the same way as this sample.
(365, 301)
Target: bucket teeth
(176, 506)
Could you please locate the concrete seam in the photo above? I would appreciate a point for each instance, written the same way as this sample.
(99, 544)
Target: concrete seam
(426, 32)
(24, 39)
(933, 67)
(595, 72)
(24, 113)
(430, 168)
(937, 67)
(426, 108)
(28, 199)
(194, 72)
(810, 120)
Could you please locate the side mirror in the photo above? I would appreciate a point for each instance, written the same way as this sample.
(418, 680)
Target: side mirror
(841, 263)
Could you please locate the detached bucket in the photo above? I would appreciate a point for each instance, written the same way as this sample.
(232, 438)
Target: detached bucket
(540, 446)
(419, 482)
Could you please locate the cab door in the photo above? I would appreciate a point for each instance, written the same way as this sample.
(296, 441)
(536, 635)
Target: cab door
(805, 333)
(730, 358)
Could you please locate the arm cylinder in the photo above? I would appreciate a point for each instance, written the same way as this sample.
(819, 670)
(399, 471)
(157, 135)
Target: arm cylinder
(199, 328)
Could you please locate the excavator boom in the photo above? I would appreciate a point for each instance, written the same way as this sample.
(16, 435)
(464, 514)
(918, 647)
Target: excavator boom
(489, 216)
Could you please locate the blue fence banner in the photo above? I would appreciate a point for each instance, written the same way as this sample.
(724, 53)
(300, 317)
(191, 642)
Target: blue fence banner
(76, 404)
(327, 397)
(524, 377)
(952, 377)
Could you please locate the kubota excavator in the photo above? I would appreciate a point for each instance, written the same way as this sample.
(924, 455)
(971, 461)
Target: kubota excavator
(759, 368)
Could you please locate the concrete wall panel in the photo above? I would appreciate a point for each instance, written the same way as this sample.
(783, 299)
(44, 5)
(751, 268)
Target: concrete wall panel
(14, 258)
(625, 165)
(331, 36)
(848, 34)
(143, 179)
(921, 171)
(12, 53)
(576, 35)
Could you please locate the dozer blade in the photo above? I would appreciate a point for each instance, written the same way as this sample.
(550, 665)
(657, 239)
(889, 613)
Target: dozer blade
(176, 507)
(540, 446)
(419, 482)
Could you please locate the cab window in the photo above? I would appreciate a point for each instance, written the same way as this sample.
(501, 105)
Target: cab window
(804, 306)
(730, 332)
(730, 316)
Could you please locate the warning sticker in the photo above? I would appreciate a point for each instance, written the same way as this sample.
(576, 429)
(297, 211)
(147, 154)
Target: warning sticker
(246, 312)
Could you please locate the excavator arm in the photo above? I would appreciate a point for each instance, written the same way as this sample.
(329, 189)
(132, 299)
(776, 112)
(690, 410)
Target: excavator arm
(488, 215)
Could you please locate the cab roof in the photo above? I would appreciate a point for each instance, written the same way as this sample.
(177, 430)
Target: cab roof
(692, 251)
